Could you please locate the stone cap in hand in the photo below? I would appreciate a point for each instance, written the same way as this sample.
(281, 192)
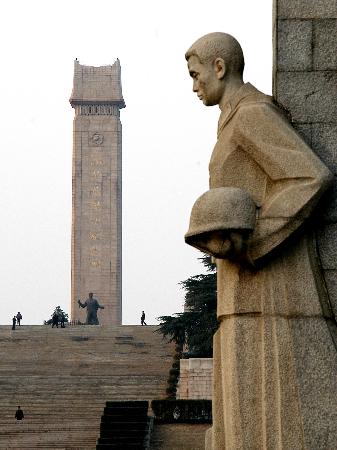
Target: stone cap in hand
(221, 209)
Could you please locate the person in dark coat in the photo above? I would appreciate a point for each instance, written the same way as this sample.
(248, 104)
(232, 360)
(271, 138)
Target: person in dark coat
(62, 320)
(19, 318)
(14, 322)
(55, 320)
(142, 319)
(19, 414)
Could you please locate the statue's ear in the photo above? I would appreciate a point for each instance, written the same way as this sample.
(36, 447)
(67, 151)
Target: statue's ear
(220, 68)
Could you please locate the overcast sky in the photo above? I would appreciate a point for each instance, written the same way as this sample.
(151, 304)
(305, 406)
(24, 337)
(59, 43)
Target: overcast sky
(168, 136)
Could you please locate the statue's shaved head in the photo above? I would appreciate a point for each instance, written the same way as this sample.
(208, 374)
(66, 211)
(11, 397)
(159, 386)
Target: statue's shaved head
(218, 45)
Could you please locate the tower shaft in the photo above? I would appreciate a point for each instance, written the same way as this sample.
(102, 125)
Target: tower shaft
(97, 191)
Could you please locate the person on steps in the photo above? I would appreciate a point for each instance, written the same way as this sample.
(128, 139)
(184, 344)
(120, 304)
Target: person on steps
(19, 415)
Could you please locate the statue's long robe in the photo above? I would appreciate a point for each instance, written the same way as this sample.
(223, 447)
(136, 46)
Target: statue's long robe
(92, 306)
(274, 357)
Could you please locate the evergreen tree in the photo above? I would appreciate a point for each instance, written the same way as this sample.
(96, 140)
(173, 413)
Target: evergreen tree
(194, 328)
(59, 312)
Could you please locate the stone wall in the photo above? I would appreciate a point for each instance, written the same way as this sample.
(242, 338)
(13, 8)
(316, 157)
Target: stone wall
(195, 381)
(180, 436)
(305, 83)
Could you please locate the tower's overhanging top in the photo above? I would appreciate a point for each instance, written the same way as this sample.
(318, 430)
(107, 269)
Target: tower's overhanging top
(97, 85)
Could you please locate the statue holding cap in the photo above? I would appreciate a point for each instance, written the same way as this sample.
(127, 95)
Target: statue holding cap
(264, 185)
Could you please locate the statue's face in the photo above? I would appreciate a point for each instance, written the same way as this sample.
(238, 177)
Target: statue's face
(206, 83)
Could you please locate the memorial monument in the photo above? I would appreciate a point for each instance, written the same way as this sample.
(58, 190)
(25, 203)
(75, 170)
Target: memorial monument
(276, 329)
(97, 190)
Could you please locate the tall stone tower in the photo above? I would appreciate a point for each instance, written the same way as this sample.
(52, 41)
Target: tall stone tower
(97, 190)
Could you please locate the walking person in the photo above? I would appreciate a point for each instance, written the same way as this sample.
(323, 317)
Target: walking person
(14, 322)
(18, 318)
(142, 319)
(19, 415)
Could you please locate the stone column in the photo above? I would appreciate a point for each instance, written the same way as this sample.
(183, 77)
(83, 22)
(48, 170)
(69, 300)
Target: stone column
(305, 83)
(97, 191)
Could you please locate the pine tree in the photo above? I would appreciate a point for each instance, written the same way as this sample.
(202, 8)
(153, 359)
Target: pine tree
(194, 328)
(59, 312)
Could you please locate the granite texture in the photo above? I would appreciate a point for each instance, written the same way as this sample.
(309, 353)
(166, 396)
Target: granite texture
(324, 143)
(316, 368)
(304, 130)
(294, 45)
(331, 283)
(306, 9)
(327, 236)
(324, 44)
(328, 206)
(309, 96)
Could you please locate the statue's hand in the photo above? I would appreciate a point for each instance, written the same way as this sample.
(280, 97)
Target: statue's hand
(226, 244)
(239, 246)
(238, 243)
(215, 243)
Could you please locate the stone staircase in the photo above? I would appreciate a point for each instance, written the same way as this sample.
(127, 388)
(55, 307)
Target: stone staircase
(62, 379)
(123, 426)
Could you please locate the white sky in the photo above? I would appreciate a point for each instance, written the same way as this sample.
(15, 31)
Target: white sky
(168, 136)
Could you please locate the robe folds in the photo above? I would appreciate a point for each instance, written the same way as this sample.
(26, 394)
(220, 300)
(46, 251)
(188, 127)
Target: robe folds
(274, 354)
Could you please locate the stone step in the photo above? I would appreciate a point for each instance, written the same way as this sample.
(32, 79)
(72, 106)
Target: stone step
(9, 427)
(129, 437)
(133, 414)
(116, 425)
(118, 446)
(122, 380)
(55, 446)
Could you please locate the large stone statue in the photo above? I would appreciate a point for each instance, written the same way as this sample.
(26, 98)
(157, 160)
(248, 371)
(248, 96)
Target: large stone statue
(276, 327)
(92, 306)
